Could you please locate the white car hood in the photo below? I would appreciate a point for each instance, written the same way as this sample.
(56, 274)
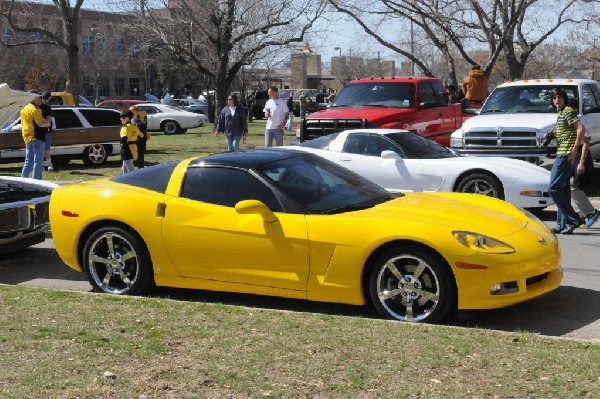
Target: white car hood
(524, 120)
(11, 102)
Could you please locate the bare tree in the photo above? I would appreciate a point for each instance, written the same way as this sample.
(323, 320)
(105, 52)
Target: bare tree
(512, 29)
(219, 37)
(21, 19)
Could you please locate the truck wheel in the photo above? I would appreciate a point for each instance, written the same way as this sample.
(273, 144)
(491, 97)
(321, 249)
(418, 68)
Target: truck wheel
(481, 183)
(170, 127)
(94, 155)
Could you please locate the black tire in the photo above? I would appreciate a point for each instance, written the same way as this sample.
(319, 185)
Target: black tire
(412, 284)
(170, 127)
(95, 154)
(481, 183)
(117, 262)
(60, 162)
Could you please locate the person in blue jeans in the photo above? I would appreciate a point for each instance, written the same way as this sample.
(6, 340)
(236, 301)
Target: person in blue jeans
(277, 113)
(232, 123)
(31, 116)
(569, 135)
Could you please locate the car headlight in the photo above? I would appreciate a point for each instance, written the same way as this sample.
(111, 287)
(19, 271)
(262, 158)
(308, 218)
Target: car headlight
(456, 142)
(482, 243)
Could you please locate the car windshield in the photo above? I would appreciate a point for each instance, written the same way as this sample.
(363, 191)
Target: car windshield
(376, 94)
(321, 143)
(522, 98)
(418, 147)
(323, 187)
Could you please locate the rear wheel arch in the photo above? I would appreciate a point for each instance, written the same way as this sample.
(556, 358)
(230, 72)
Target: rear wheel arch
(170, 126)
(91, 229)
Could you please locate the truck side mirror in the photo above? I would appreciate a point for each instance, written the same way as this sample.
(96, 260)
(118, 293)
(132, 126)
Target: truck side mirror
(465, 103)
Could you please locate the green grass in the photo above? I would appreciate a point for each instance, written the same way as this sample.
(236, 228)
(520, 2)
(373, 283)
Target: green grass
(81, 345)
(161, 148)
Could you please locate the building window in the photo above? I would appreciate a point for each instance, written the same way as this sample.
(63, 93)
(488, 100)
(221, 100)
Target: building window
(37, 36)
(134, 48)
(134, 87)
(88, 87)
(8, 35)
(88, 45)
(104, 87)
(21, 37)
(119, 86)
(119, 48)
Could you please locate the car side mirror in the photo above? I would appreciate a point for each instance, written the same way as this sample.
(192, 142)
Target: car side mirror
(251, 207)
(387, 154)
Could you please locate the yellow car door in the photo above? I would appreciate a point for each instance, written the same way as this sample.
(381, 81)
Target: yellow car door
(208, 239)
(215, 242)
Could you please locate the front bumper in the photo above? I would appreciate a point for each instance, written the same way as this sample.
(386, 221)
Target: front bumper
(504, 280)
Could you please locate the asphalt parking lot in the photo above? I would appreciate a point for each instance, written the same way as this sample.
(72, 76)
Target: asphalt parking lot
(571, 311)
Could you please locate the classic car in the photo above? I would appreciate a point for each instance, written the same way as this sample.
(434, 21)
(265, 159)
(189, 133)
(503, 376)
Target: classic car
(170, 119)
(402, 161)
(87, 133)
(291, 224)
(23, 212)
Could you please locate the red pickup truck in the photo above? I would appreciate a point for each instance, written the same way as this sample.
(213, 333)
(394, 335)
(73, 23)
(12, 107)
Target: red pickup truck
(419, 104)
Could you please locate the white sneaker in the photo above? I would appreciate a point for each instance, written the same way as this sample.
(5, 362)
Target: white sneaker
(49, 164)
(50, 168)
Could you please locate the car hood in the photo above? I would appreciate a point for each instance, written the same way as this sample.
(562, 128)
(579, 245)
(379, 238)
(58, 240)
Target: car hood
(455, 211)
(11, 102)
(520, 120)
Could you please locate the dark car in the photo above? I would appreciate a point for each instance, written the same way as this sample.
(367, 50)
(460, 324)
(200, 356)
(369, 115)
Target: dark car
(256, 103)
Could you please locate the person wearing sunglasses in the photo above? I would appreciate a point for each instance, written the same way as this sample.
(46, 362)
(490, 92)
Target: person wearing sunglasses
(232, 123)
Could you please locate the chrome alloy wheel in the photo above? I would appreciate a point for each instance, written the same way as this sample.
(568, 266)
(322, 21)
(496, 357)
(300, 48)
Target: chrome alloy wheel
(480, 186)
(408, 288)
(113, 263)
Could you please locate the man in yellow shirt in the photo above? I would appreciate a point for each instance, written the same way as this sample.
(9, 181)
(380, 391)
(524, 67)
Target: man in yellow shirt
(31, 115)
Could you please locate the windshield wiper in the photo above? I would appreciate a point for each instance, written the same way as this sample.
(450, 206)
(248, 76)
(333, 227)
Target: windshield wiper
(356, 207)
(375, 105)
(341, 105)
(493, 111)
(530, 111)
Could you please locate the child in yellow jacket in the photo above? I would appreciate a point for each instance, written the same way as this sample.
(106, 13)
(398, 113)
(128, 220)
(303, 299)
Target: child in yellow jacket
(129, 136)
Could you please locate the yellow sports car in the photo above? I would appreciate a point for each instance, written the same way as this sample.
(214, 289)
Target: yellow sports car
(290, 224)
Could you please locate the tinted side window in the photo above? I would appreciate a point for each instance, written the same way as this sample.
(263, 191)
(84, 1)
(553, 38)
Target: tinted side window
(439, 89)
(100, 117)
(427, 95)
(155, 178)
(66, 118)
(590, 104)
(226, 186)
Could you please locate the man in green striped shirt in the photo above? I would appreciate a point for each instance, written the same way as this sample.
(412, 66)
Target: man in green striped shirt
(569, 135)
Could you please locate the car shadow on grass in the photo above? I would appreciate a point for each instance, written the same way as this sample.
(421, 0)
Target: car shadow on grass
(555, 314)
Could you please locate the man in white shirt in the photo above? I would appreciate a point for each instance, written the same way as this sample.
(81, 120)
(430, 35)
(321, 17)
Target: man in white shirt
(277, 113)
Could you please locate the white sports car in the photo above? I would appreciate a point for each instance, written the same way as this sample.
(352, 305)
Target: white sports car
(169, 119)
(399, 160)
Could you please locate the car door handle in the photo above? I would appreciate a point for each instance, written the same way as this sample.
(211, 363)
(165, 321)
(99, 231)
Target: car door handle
(345, 159)
(82, 131)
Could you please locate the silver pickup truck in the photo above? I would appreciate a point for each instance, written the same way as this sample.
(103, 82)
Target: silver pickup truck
(516, 117)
